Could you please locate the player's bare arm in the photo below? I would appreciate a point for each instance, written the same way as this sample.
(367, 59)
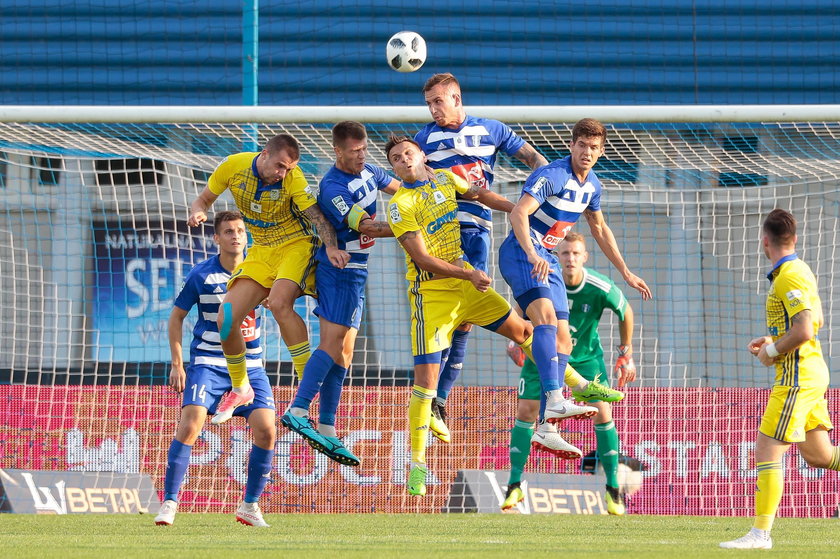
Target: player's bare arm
(528, 155)
(338, 257)
(415, 246)
(199, 207)
(491, 199)
(375, 229)
(606, 240)
(801, 330)
(625, 367)
(177, 375)
(521, 229)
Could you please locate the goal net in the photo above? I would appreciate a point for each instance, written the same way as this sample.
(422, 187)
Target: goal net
(94, 246)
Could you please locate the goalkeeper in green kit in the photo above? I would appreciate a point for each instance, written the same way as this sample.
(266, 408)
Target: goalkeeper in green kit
(589, 293)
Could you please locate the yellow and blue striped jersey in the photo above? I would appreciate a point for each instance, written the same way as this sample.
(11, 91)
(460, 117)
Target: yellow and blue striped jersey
(273, 213)
(430, 208)
(793, 289)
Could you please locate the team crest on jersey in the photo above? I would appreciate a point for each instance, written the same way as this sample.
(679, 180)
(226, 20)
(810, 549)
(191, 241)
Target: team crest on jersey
(394, 212)
(439, 197)
(274, 195)
(340, 205)
(541, 182)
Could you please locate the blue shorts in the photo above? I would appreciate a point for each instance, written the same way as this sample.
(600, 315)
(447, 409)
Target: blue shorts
(475, 243)
(207, 383)
(341, 294)
(515, 268)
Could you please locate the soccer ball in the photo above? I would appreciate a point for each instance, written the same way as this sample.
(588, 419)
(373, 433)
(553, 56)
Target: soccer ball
(629, 480)
(406, 51)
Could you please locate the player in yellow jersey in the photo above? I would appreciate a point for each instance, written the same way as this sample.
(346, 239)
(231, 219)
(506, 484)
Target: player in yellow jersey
(444, 290)
(797, 412)
(283, 217)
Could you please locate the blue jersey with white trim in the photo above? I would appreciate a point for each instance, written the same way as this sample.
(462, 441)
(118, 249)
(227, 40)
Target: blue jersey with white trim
(205, 286)
(469, 151)
(339, 191)
(562, 199)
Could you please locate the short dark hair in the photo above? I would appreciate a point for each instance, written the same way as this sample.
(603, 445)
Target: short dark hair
(589, 128)
(223, 217)
(284, 142)
(348, 129)
(393, 140)
(780, 227)
(575, 237)
(438, 79)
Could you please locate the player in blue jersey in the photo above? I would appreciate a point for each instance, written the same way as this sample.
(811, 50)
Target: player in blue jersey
(467, 146)
(552, 200)
(206, 378)
(347, 197)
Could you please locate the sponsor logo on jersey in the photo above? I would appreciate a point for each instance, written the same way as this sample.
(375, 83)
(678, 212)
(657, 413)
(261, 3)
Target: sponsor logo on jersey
(394, 212)
(255, 207)
(541, 182)
(435, 225)
(340, 205)
(794, 296)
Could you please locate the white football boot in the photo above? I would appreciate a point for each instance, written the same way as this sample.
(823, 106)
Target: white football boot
(166, 514)
(547, 438)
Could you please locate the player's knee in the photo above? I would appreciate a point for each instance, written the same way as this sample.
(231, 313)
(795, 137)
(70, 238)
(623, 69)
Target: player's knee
(265, 436)
(281, 306)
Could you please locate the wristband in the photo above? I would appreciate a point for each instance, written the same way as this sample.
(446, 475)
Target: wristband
(771, 350)
(624, 350)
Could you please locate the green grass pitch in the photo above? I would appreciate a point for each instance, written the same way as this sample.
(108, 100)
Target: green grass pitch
(406, 535)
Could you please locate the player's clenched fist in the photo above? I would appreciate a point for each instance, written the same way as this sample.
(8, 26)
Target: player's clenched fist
(196, 219)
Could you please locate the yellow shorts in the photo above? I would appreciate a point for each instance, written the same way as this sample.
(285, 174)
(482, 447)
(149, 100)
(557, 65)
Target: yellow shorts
(792, 411)
(294, 261)
(441, 305)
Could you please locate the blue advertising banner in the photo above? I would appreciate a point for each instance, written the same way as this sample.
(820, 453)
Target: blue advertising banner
(140, 268)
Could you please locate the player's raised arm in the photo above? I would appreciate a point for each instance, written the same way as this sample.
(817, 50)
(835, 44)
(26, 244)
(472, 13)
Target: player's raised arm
(493, 200)
(519, 224)
(326, 232)
(199, 207)
(528, 155)
(606, 240)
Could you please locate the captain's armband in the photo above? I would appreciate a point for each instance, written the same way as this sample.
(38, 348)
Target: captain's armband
(356, 216)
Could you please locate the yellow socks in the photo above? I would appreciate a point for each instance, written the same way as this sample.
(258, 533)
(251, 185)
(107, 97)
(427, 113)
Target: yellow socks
(300, 355)
(526, 347)
(768, 493)
(419, 415)
(572, 377)
(237, 369)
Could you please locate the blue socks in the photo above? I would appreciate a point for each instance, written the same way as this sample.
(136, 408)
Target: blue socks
(450, 372)
(331, 394)
(259, 468)
(545, 353)
(316, 371)
(177, 462)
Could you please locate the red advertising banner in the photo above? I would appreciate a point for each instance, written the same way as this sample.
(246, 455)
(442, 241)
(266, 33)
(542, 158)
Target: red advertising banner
(696, 445)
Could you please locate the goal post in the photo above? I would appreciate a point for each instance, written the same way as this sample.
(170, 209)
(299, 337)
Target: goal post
(94, 244)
